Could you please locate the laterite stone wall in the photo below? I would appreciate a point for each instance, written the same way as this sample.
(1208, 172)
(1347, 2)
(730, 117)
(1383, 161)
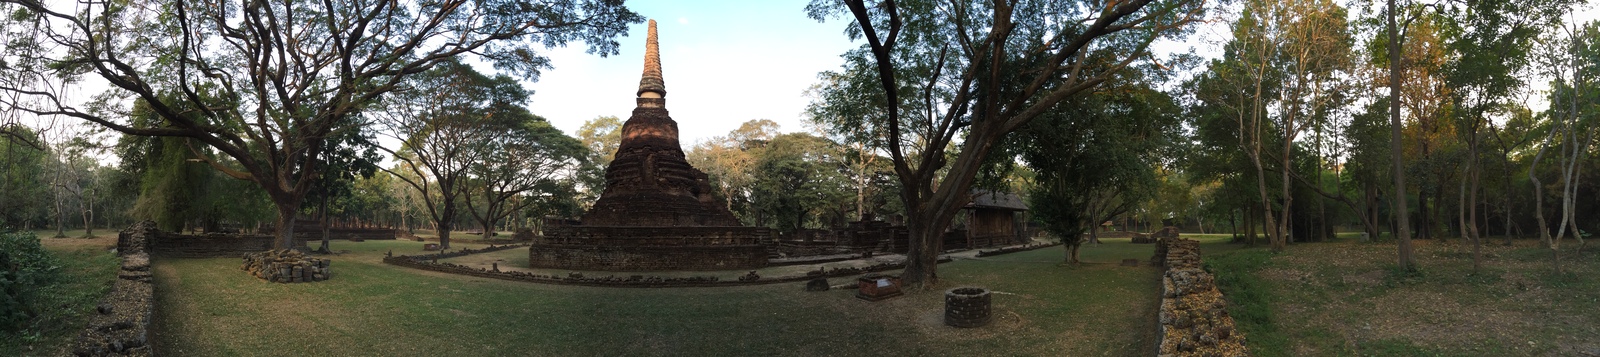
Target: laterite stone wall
(1194, 316)
(651, 248)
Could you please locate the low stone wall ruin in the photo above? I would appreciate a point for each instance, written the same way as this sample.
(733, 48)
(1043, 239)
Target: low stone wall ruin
(120, 325)
(430, 262)
(651, 248)
(463, 252)
(1193, 316)
(286, 266)
(169, 244)
(1014, 249)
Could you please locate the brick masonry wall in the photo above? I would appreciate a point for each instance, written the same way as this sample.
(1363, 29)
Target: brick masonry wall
(651, 248)
(1014, 249)
(212, 245)
(426, 262)
(1193, 316)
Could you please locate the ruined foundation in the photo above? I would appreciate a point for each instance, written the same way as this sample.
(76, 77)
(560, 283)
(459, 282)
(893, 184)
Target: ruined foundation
(650, 248)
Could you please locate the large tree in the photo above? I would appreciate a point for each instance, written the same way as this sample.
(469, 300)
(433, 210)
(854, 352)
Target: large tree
(601, 136)
(1491, 43)
(22, 184)
(729, 163)
(960, 75)
(269, 82)
(529, 159)
(1096, 157)
(797, 183)
(448, 121)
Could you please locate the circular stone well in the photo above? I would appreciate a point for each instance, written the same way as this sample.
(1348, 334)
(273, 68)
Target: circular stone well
(966, 307)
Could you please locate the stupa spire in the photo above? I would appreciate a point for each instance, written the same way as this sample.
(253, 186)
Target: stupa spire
(651, 81)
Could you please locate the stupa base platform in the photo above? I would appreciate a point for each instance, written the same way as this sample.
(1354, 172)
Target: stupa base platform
(651, 248)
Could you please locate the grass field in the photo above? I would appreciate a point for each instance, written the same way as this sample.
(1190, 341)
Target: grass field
(207, 307)
(1318, 299)
(1346, 298)
(87, 269)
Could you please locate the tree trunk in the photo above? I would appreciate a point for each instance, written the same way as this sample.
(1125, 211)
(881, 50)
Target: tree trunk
(444, 234)
(1403, 234)
(1072, 253)
(922, 246)
(285, 232)
(1372, 211)
(1250, 226)
(1538, 192)
(61, 217)
(88, 216)
(1434, 220)
(1506, 170)
(1233, 225)
(322, 211)
(1471, 201)
(1424, 230)
(1461, 205)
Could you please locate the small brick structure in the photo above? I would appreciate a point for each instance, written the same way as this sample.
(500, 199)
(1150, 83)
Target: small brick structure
(966, 307)
(286, 266)
(876, 287)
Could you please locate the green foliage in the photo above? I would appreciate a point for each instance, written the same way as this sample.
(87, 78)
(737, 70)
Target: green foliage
(798, 183)
(23, 189)
(1096, 155)
(176, 188)
(25, 267)
(600, 136)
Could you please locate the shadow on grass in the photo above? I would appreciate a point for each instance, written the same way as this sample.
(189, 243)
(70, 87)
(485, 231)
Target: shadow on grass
(1249, 298)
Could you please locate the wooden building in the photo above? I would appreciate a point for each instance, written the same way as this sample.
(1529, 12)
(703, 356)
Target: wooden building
(995, 219)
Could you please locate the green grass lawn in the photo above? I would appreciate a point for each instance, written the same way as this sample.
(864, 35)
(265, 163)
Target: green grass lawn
(88, 267)
(207, 307)
(1346, 298)
(1315, 299)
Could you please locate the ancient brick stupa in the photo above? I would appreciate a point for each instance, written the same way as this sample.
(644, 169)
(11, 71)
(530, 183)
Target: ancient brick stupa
(657, 211)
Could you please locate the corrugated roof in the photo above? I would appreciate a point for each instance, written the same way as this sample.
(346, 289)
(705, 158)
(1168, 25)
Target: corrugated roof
(993, 199)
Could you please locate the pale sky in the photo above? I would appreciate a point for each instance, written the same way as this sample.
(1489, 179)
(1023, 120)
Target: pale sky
(727, 62)
(730, 61)
(724, 63)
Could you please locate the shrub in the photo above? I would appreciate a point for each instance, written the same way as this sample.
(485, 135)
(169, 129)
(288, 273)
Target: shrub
(25, 267)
